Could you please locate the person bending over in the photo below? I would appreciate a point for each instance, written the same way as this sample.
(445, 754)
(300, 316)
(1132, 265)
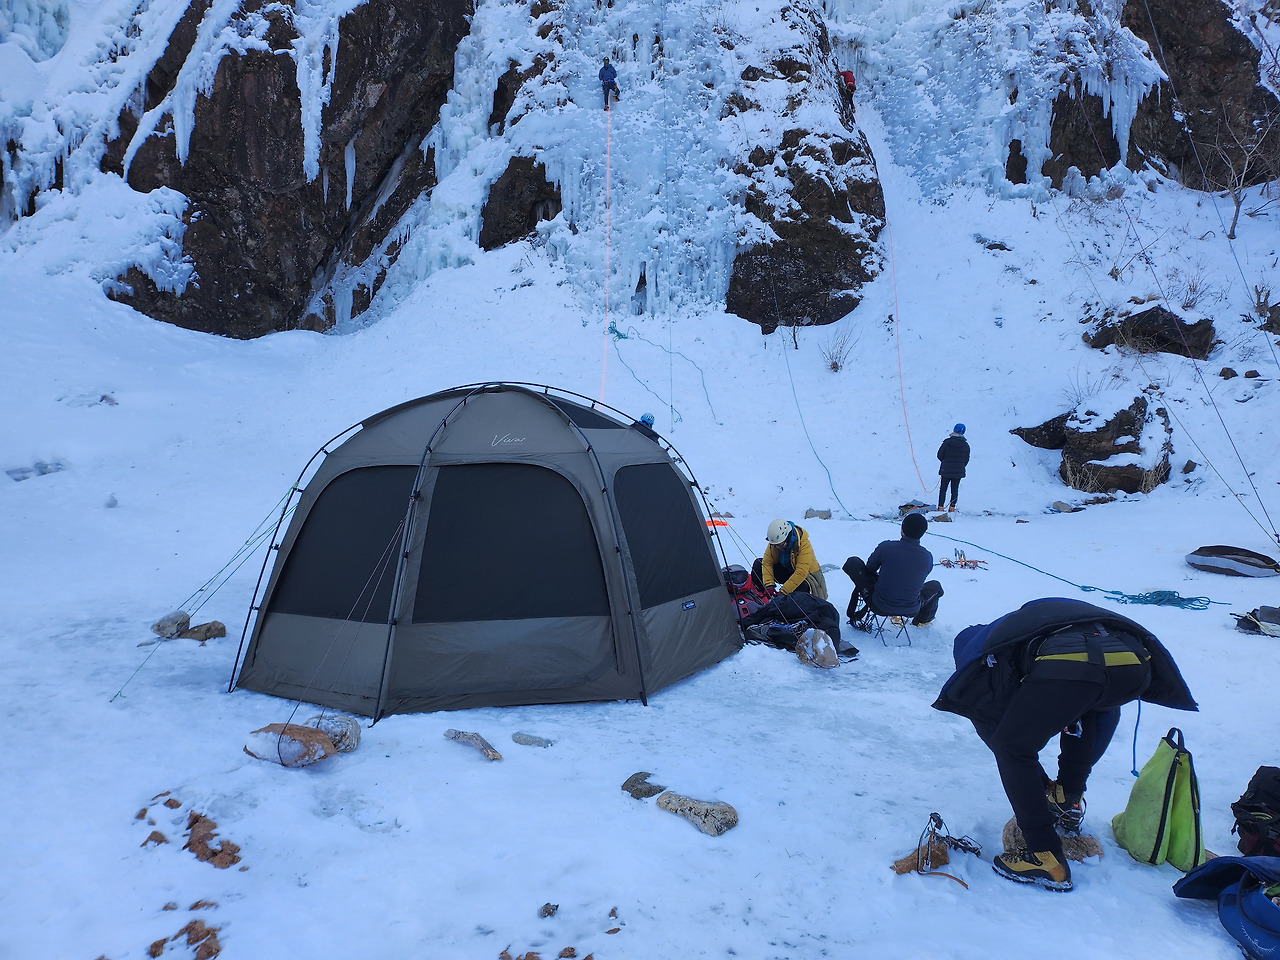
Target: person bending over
(1054, 667)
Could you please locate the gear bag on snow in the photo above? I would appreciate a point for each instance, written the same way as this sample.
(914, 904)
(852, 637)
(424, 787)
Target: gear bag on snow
(1257, 814)
(1161, 822)
(747, 597)
(1244, 888)
(1264, 620)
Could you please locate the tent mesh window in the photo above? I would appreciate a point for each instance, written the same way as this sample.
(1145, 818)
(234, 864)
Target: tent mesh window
(508, 541)
(342, 565)
(584, 417)
(664, 532)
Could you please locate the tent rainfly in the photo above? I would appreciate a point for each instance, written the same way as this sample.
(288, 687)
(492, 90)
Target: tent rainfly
(490, 545)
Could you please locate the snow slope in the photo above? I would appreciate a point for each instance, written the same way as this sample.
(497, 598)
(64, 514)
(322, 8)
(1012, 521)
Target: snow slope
(414, 844)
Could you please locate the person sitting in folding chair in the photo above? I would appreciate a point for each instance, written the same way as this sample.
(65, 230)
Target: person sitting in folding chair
(891, 583)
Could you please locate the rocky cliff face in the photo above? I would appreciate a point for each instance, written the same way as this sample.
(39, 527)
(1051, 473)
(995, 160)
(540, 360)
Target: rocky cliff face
(816, 191)
(295, 210)
(271, 240)
(1212, 92)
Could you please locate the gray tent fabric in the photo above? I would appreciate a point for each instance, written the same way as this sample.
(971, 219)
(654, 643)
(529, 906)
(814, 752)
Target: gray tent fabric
(490, 545)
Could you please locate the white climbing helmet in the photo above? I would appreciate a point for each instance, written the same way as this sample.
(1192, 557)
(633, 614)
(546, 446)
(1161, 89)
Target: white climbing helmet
(779, 530)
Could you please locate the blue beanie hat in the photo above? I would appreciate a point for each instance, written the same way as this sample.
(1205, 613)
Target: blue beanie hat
(958, 428)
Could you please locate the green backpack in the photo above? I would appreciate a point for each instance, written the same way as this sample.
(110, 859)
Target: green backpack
(1161, 822)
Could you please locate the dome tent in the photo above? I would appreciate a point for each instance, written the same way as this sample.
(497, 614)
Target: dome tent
(490, 545)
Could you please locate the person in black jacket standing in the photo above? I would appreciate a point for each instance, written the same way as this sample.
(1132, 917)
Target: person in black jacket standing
(1054, 667)
(953, 457)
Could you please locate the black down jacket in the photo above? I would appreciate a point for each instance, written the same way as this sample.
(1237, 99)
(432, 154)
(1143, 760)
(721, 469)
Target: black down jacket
(954, 454)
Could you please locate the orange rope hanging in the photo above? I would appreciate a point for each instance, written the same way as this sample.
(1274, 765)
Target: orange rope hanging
(608, 142)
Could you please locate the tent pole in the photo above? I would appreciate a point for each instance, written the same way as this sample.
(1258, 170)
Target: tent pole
(415, 497)
(617, 540)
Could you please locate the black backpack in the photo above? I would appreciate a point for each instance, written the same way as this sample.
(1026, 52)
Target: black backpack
(1257, 815)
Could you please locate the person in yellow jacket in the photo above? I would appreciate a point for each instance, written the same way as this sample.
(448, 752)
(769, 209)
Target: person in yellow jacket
(788, 563)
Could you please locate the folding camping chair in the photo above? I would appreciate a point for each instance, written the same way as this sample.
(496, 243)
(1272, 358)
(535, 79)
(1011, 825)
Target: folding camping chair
(873, 622)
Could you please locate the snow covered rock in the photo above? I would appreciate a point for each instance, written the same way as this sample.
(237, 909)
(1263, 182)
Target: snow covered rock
(295, 135)
(343, 731)
(171, 624)
(710, 816)
(289, 744)
(815, 190)
(816, 647)
(1155, 330)
(1108, 443)
(1211, 52)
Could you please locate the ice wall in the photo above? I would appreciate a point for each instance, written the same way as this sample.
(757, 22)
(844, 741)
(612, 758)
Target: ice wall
(648, 186)
(958, 80)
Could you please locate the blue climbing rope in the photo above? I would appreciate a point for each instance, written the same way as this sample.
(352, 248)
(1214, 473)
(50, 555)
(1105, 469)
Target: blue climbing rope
(1161, 598)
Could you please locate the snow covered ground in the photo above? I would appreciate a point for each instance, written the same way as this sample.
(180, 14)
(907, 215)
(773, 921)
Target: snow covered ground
(414, 845)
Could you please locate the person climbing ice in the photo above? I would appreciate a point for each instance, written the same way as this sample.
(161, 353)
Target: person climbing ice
(609, 82)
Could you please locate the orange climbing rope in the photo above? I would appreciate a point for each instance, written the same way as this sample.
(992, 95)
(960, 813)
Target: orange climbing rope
(608, 142)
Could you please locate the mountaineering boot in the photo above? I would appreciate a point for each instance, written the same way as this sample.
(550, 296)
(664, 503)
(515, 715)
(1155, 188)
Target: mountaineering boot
(1068, 812)
(898, 621)
(950, 509)
(1042, 868)
(921, 623)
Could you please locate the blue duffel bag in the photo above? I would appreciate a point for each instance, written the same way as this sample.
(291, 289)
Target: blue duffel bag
(1238, 884)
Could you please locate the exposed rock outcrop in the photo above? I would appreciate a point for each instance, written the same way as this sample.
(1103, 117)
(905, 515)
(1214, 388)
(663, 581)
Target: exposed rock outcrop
(1127, 448)
(1213, 83)
(826, 228)
(1156, 330)
(276, 246)
(816, 191)
(1213, 69)
(517, 201)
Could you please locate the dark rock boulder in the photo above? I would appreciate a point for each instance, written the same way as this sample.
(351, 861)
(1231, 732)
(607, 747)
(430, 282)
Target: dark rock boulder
(517, 201)
(1213, 70)
(1101, 453)
(826, 227)
(1156, 330)
(1050, 435)
(816, 192)
(272, 246)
